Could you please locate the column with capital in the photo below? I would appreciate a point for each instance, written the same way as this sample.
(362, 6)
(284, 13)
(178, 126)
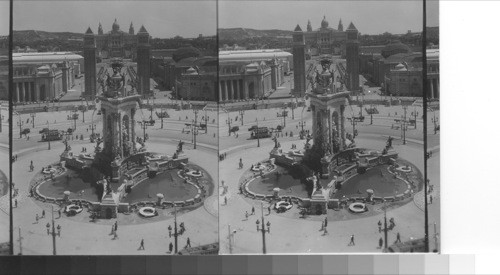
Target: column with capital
(220, 92)
(28, 91)
(431, 88)
(37, 90)
(235, 89)
(17, 92)
(21, 85)
(225, 90)
(120, 134)
(342, 126)
(245, 89)
(230, 86)
(330, 143)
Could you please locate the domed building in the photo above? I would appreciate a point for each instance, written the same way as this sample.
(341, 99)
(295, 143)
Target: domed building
(325, 39)
(116, 43)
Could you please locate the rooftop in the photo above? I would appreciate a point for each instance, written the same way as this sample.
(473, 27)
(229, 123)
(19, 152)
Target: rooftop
(252, 55)
(45, 57)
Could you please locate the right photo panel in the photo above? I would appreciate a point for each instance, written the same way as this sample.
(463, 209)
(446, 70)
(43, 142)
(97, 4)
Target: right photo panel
(326, 144)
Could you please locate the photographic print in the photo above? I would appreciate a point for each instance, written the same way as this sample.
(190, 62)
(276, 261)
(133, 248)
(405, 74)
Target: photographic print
(115, 147)
(4, 130)
(322, 141)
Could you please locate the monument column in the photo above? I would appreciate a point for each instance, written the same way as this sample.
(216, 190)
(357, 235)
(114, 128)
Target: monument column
(132, 127)
(330, 143)
(120, 134)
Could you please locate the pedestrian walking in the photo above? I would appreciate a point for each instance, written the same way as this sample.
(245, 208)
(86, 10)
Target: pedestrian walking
(398, 238)
(15, 203)
(225, 200)
(430, 199)
(59, 212)
(322, 226)
(380, 242)
(142, 245)
(43, 213)
(170, 247)
(253, 210)
(246, 215)
(116, 225)
(269, 210)
(115, 236)
(188, 242)
(352, 241)
(112, 229)
(325, 232)
(379, 226)
(326, 222)
(36, 218)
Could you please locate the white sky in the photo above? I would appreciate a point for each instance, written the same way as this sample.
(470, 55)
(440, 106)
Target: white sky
(4, 17)
(162, 19)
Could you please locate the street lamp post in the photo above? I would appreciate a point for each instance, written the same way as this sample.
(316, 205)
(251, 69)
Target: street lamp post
(195, 127)
(47, 134)
(404, 124)
(92, 128)
(263, 229)
(228, 121)
(415, 116)
(230, 238)
(83, 109)
(176, 235)
(283, 114)
(385, 226)
(257, 133)
(435, 121)
(293, 106)
(33, 115)
(371, 114)
(353, 122)
(242, 112)
(20, 124)
(301, 125)
(20, 240)
(53, 233)
(144, 125)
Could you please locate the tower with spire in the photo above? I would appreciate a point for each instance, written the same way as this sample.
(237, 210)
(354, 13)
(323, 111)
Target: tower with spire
(143, 61)
(131, 29)
(299, 62)
(309, 27)
(89, 55)
(340, 27)
(99, 30)
(352, 58)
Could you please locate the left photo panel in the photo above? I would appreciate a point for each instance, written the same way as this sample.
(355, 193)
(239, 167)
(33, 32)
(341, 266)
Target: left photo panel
(4, 129)
(115, 141)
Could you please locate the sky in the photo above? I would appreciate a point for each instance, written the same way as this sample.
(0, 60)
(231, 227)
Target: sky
(162, 19)
(4, 17)
(369, 17)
